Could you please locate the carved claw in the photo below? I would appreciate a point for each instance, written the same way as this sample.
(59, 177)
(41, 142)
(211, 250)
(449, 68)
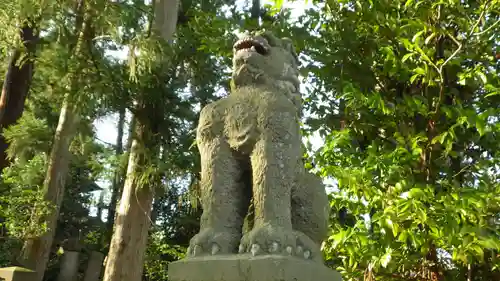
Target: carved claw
(210, 241)
(268, 239)
(307, 249)
(307, 254)
(241, 249)
(197, 250)
(289, 250)
(274, 247)
(255, 249)
(299, 250)
(215, 249)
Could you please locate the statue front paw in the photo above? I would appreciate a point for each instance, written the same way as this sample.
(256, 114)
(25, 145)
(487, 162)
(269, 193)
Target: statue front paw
(268, 239)
(210, 241)
(307, 248)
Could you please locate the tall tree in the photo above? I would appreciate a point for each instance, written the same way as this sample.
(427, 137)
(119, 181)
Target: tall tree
(255, 12)
(128, 244)
(116, 184)
(36, 250)
(17, 84)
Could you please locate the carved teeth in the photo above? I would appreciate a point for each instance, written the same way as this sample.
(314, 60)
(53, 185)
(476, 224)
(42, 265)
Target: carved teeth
(245, 40)
(250, 44)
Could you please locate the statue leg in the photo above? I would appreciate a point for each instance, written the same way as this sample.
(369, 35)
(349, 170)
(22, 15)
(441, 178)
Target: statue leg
(274, 161)
(223, 200)
(310, 208)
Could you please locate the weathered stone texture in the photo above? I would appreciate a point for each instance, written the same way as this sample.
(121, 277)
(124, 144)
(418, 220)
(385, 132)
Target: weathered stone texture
(264, 216)
(16, 274)
(248, 268)
(251, 158)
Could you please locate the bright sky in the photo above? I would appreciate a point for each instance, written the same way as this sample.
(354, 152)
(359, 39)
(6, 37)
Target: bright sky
(106, 127)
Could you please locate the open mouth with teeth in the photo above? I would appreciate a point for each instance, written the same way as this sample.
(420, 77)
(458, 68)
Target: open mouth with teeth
(250, 45)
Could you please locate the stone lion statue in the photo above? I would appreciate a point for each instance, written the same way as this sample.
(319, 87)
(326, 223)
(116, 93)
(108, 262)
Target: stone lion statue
(251, 158)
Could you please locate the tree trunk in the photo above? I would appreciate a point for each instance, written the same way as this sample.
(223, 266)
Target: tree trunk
(36, 251)
(126, 254)
(131, 132)
(118, 176)
(158, 202)
(156, 210)
(434, 268)
(255, 12)
(166, 12)
(16, 86)
(133, 218)
(100, 206)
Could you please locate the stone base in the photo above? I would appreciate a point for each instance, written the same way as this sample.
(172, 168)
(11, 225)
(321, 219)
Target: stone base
(16, 274)
(248, 268)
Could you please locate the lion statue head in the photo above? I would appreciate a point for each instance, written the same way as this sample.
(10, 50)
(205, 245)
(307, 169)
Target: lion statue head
(260, 58)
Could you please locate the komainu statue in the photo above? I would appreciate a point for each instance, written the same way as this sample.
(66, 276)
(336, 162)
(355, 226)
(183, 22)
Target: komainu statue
(251, 159)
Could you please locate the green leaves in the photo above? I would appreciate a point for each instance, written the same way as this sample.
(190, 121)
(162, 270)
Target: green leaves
(386, 258)
(278, 4)
(416, 155)
(25, 205)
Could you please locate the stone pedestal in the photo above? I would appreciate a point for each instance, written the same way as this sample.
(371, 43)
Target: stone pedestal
(16, 274)
(94, 267)
(69, 266)
(248, 268)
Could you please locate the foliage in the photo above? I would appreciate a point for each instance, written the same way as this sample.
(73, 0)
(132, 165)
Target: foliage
(24, 195)
(405, 95)
(7, 255)
(159, 255)
(29, 136)
(407, 102)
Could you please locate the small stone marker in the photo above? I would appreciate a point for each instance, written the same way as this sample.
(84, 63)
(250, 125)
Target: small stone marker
(17, 274)
(94, 267)
(69, 266)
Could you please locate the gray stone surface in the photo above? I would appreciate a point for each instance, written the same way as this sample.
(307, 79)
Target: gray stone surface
(251, 161)
(94, 267)
(250, 268)
(16, 274)
(264, 216)
(69, 266)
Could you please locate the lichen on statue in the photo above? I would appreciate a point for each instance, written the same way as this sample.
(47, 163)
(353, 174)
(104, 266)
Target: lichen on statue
(250, 147)
(271, 63)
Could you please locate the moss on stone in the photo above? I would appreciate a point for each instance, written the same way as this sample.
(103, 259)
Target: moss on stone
(250, 147)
